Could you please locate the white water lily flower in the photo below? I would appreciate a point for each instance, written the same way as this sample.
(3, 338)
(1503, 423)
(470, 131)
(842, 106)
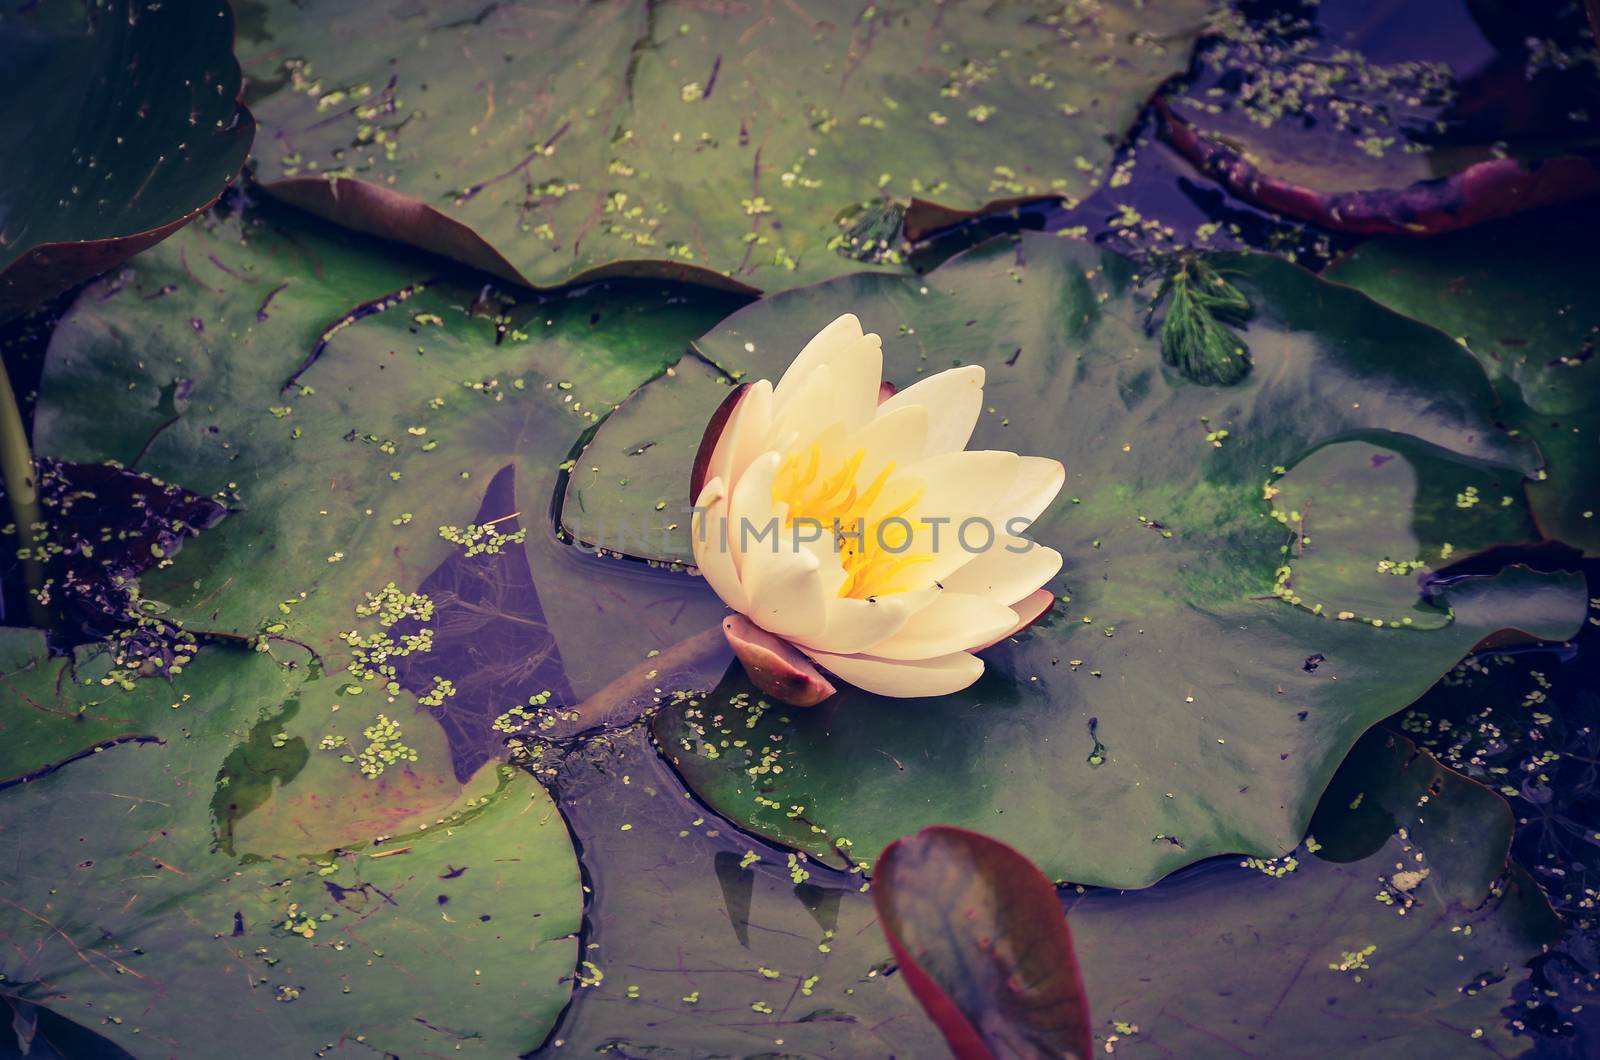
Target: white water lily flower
(861, 533)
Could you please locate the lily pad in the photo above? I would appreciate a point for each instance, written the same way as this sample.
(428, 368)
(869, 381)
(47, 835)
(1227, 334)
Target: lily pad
(413, 389)
(980, 938)
(119, 122)
(633, 468)
(127, 898)
(1347, 120)
(703, 941)
(1191, 686)
(1519, 295)
(754, 148)
(46, 728)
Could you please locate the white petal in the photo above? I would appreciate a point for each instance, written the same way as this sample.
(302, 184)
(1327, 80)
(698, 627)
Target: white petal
(1039, 479)
(855, 361)
(897, 439)
(955, 488)
(1009, 571)
(827, 553)
(708, 533)
(785, 589)
(810, 406)
(1028, 611)
(855, 624)
(954, 399)
(932, 552)
(887, 677)
(746, 434)
(900, 437)
(953, 622)
(966, 483)
(751, 511)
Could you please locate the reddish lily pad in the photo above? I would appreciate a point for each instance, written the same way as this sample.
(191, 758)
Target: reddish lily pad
(1345, 120)
(1223, 955)
(1483, 191)
(981, 940)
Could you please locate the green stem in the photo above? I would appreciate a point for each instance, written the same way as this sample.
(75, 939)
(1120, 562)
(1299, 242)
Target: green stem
(21, 477)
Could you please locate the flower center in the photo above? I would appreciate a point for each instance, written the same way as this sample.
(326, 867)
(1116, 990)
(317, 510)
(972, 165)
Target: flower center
(871, 536)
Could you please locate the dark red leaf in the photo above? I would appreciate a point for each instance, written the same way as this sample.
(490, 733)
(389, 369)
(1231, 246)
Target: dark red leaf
(1481, 192)
(982, 941)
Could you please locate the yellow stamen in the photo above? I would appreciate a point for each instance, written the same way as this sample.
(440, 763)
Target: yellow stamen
(876, 487)
(838, 500)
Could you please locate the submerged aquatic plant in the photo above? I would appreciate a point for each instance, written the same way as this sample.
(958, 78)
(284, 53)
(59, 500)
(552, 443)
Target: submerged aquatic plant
(1195, 336)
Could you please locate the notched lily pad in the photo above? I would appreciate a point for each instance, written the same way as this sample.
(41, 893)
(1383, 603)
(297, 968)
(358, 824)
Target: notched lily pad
(375, 467)
(1176, 656)
(131, 900)
(755, 148)
(622, 492)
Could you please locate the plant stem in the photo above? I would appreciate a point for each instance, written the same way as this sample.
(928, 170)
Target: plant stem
(21, 477)
(628, 696)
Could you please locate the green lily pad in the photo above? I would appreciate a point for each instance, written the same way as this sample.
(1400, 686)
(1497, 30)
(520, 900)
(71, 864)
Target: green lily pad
(758, 148)
(119, 122)
(1519, 295)
(447, 925)
(633, 467)
(1191, 685)
(50, 722)
(413, 390)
